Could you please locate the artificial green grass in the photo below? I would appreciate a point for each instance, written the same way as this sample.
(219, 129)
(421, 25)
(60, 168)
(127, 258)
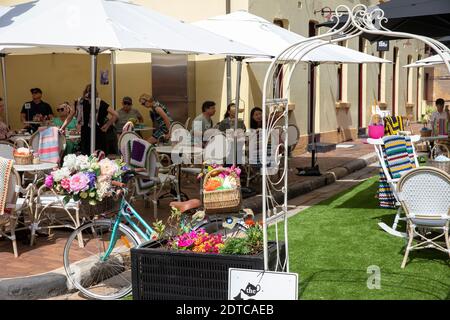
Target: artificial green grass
(332, 244)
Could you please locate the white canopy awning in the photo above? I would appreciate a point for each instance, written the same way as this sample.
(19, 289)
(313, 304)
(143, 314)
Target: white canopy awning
(271, 39)
(108, 24)
(428, 62)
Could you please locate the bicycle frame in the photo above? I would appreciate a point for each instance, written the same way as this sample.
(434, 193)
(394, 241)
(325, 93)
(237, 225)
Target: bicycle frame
(127, 211)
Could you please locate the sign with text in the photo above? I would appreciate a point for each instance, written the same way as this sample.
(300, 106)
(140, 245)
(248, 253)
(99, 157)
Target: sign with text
(383, 45)
(246, 284)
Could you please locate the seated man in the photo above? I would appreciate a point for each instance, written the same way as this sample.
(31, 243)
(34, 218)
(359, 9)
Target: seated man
(126, 113)
(35, 110)
(203, 121)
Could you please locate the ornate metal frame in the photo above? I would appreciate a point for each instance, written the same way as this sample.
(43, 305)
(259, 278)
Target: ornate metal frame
(361, 19)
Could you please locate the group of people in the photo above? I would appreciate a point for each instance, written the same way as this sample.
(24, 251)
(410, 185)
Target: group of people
(109, 122)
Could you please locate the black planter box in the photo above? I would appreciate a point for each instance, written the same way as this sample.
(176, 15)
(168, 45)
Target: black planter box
(160, 274)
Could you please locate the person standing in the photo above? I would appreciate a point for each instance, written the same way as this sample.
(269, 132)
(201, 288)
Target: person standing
(35, 110)
(439, 118)
(105, 133)
(160, 117)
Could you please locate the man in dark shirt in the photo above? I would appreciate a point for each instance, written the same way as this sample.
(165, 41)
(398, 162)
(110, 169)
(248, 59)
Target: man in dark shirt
(35, 109)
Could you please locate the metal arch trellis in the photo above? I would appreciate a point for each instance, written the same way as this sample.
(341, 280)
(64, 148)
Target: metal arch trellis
(360, 20)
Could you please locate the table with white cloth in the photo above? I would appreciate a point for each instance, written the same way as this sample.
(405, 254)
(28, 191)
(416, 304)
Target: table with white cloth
(182, 151)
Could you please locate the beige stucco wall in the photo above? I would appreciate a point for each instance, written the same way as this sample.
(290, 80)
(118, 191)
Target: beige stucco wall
(63, 77)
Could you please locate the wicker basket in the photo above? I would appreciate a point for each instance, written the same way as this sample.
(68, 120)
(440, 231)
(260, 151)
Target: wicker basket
(442, 165)
(21, 159)
(425, 133)
(108, 205)
(221, 201)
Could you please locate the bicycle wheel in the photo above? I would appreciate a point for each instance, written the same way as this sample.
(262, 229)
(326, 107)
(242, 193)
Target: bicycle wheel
(224, 226)
(94, 277)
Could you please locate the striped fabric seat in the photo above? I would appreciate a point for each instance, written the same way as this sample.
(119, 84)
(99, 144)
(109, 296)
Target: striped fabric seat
(399, 159)
(393, 124)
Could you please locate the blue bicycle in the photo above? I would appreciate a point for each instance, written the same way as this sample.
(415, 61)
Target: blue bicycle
(97, 256)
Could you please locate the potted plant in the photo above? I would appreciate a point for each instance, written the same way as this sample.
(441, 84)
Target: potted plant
(425, 131)
(192, 264)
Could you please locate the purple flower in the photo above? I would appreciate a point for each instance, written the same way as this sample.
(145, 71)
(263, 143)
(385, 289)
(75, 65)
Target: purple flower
(92, 178)
(49, 181)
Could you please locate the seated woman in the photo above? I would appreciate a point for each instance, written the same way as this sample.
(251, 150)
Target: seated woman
(62, 112)
(5, 131)
(256, 118)
(228, 121)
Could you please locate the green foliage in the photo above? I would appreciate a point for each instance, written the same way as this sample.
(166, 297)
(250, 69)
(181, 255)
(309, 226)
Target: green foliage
(251, 244)
(236, 246)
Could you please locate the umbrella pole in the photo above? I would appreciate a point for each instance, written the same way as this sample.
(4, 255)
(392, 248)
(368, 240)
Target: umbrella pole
(93, 51)
(236, 116)
(5, 89)
(228, 64)
(113, 78)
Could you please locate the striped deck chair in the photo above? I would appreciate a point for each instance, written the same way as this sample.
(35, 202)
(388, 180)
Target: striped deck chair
(393, 124)
(396, 155)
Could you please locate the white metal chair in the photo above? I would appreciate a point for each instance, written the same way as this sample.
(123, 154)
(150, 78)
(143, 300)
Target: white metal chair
(378, 146)
(157, 177)
(187, 124)
(424, 196)
(6, 150)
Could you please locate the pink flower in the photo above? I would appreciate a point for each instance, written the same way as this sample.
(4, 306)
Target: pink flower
(49, 181)
(65, 184)
(79, 182)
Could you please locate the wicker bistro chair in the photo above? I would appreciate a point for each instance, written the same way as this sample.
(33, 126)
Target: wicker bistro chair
(34, 143)
(16, 205)
(6, 150)
(124, 138)
(392, 182)
(423, 193)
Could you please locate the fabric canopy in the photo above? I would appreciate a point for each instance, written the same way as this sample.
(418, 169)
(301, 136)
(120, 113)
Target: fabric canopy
(430, 61)
(271, 39)
(108, 24)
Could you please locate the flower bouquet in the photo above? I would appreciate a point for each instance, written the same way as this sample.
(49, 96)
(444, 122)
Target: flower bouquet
(221, 189)
(86, 178)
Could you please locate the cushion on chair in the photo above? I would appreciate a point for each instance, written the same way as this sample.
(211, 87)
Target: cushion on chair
(429, 222)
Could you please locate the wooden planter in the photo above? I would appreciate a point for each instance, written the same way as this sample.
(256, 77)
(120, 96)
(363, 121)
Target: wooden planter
(160, 274)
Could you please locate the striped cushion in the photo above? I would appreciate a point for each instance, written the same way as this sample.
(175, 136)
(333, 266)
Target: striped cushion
(393, 124)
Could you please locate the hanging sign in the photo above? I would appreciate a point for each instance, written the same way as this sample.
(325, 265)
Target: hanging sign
(246, 284)
(383, 45)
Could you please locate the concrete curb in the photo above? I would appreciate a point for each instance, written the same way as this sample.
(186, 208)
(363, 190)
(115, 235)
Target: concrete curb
(55, 283)
(327, 178)
(49, 284)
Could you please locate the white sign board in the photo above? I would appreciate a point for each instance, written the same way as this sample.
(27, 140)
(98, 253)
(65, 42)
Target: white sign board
(245, 284)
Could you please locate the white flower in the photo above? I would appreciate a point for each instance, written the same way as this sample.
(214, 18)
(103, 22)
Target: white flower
(108, 167)
(60, 174)
(70, 162)
(103, 189)
(83, 162)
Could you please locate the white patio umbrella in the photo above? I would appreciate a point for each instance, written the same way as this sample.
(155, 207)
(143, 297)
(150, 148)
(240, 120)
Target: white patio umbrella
(271, 39)
(430, 61)
(99, 25)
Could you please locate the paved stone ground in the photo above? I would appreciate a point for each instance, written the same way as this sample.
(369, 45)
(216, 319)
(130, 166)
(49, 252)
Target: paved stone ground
(46, 255)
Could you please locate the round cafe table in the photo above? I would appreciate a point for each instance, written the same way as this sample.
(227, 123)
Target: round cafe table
(34, 169)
